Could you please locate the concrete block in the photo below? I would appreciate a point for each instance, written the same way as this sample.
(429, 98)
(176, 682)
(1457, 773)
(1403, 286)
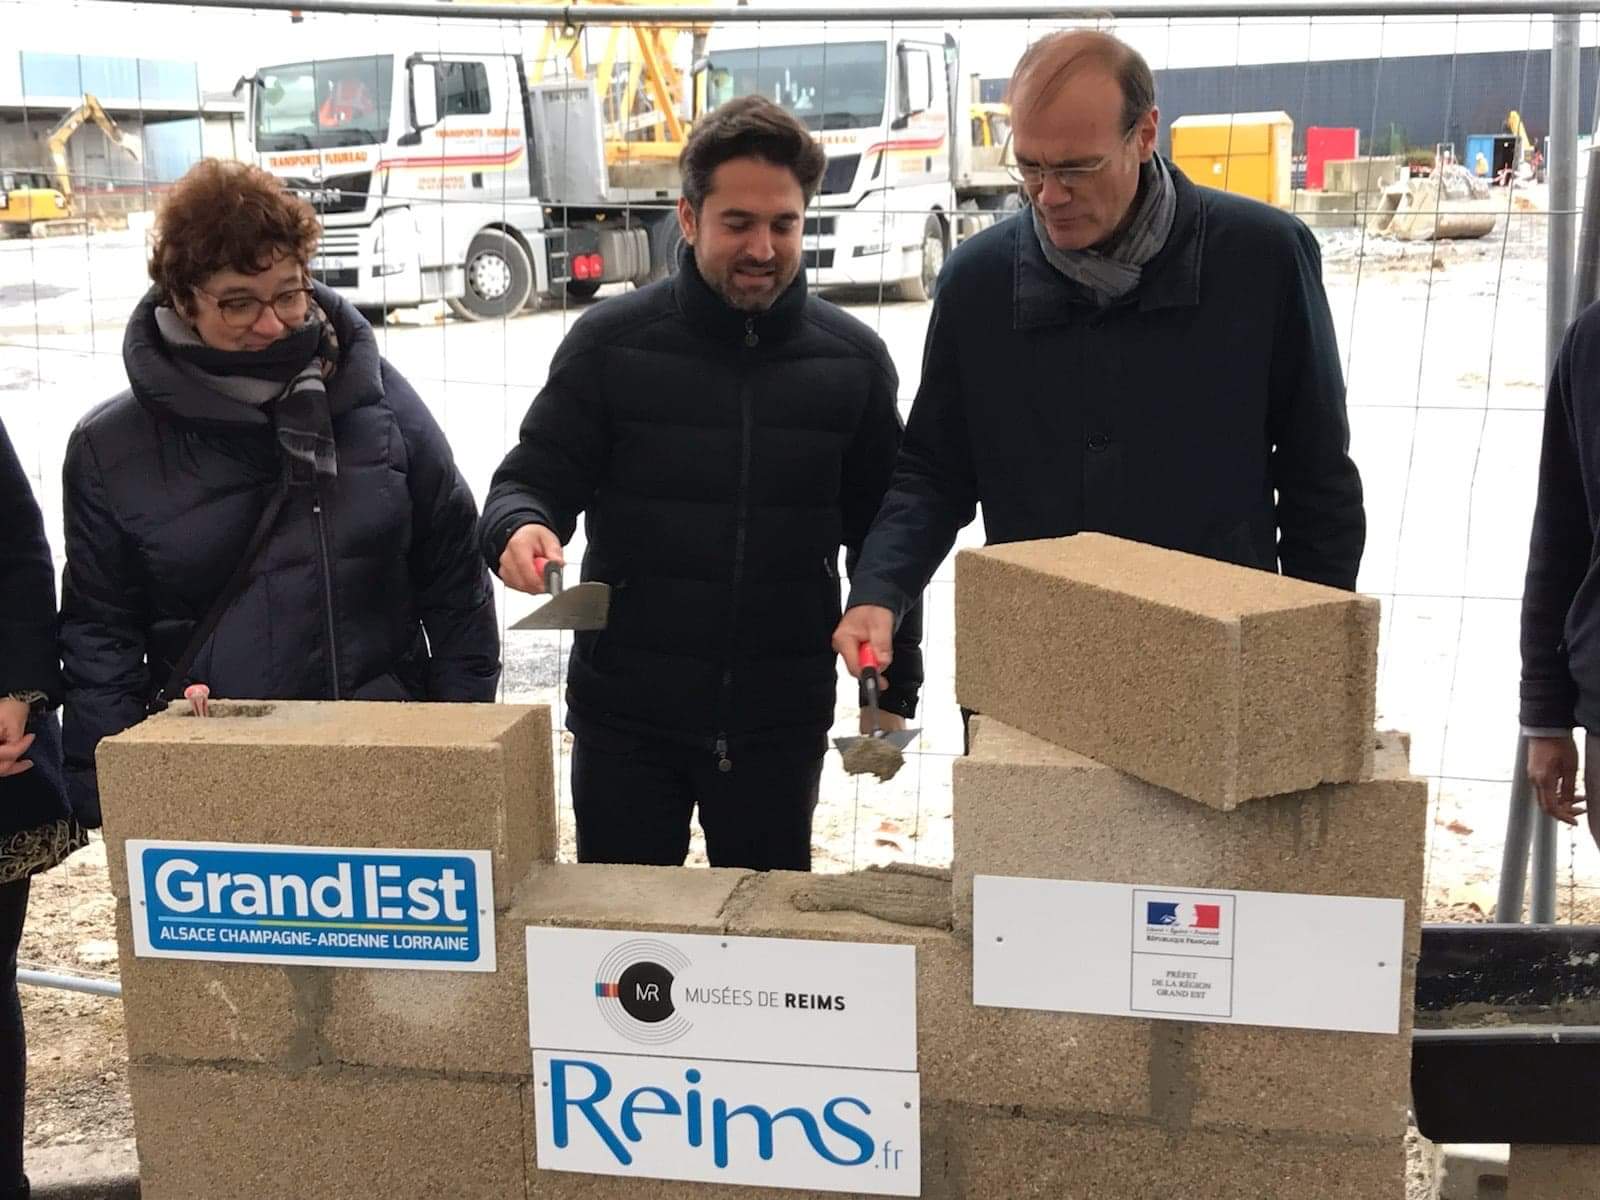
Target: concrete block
(212, 1011)
(994, 1153)
(444, 1021)
(1218, 682)
(1554, 1172)
(1024, 807)
(1009, 1056)
(461, 1022)
(427, 776)
(180, 1010)
(1326, 210)
(604, 896)
(1369, 173)
(1474, 1171)
(205, 1131)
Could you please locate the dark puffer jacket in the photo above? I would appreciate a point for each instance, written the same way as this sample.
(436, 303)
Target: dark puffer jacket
(722, 459)
(369, 586)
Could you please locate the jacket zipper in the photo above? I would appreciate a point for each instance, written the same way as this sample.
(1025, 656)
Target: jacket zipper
(327, 591)
(741, 509)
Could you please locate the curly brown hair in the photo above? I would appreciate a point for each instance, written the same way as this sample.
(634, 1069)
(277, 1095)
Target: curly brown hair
(224, 215)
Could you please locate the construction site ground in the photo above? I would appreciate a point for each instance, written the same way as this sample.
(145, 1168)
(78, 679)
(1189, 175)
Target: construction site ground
(1444, 348)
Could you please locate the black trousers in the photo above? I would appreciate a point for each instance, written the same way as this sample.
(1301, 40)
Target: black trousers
(633, 797)
(13, 1054)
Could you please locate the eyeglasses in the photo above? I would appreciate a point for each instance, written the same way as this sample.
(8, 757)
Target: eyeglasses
(241, 312)
(1031, 175)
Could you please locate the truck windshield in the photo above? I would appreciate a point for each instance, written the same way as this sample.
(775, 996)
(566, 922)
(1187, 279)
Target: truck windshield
(834, 86)
(315, 105)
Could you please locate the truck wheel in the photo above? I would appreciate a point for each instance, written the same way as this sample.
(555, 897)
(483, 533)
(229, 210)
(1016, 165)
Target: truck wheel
(498, 278)
(920, 286)
(665, 238)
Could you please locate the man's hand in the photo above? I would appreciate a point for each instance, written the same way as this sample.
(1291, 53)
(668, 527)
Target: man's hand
(888, 722)
(864, 623)
(14, 742)
(1553, 771)
(516, 560)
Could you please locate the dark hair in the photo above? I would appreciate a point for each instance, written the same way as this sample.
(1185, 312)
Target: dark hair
(223, 215)
(1055, 56)
(749, 127)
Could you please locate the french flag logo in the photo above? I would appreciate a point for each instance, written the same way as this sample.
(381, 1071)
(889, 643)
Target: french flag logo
(1172, 915)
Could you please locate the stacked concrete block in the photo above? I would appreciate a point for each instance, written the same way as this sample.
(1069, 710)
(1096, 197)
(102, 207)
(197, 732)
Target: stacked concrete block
(1216, 682)
(262, 1079)
(1186, 724)
(1371, 173)
(1554, 1172)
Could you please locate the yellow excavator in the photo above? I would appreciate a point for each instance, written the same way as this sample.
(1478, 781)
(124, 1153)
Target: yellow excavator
(39, 202)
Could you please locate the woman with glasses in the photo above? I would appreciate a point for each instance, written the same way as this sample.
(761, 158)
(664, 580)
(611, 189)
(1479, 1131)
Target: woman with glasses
(269, 510)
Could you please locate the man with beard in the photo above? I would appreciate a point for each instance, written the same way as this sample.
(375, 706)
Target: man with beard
(724, 432)
(1130, 354)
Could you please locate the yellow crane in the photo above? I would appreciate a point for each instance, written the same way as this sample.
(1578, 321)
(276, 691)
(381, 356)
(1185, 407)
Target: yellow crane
(638, 75)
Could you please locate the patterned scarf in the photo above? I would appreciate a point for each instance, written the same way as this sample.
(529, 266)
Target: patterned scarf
(1114, 270)
(288, 380)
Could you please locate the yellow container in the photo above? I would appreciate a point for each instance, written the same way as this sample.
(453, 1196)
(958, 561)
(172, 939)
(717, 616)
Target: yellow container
(1246, 153)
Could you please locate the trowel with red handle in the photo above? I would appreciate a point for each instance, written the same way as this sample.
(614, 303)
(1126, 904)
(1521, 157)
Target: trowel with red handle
(580, 608)
(881, 752)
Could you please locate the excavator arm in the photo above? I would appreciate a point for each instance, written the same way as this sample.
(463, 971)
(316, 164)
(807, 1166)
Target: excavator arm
(90, 110)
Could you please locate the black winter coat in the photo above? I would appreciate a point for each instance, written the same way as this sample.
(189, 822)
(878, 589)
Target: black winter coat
(28, 647)
(369, 587)
(722, 458)
(1170, 418)
(1561, 598)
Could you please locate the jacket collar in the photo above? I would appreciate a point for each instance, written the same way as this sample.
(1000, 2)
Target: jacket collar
(721, 321)
(1043, 296)
(160, 386)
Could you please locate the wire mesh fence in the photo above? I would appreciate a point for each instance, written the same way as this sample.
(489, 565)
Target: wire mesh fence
(1443, 340)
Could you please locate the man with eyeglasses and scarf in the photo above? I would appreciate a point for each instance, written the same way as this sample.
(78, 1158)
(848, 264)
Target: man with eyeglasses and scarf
(1130, 354)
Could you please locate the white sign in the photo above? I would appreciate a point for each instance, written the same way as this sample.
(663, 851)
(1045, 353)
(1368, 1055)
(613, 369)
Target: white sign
(765, 1061)
(824, 1129)
(429, 910)
(818, 1004)
(1246, 958)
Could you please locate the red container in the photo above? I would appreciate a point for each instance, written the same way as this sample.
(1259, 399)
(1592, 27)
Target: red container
(1323, 144)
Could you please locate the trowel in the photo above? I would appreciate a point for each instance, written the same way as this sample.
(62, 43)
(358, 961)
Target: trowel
(881, 752)
(584, 607)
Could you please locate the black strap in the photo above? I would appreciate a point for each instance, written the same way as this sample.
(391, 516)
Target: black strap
(229, 593)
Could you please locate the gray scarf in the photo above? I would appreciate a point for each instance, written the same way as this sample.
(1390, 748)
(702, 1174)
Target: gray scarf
(286, 381)
(1113, 271)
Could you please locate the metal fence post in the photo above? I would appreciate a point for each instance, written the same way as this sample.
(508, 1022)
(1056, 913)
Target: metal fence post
(1519, 833)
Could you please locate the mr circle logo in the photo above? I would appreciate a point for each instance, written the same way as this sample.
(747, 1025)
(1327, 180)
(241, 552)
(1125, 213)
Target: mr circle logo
(633, 989)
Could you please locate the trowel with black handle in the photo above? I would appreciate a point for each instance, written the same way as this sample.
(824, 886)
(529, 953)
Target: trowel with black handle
(580, 608)
(882, 752)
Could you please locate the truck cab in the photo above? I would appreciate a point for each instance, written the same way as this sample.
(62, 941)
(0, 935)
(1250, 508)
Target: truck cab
(419, 165)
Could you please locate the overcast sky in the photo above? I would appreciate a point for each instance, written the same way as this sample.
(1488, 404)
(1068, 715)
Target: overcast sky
(228, 43)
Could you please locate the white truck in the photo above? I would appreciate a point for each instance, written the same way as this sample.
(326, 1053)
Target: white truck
(908, 176)
(431, 173)
(448, 176)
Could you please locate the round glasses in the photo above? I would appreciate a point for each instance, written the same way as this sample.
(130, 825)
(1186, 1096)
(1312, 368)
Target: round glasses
(241, 312)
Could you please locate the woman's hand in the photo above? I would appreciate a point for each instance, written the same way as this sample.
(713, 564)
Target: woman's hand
(14, 741)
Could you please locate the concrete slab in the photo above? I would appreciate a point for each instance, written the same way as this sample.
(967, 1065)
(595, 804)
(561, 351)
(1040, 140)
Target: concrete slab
(1474, 1171)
